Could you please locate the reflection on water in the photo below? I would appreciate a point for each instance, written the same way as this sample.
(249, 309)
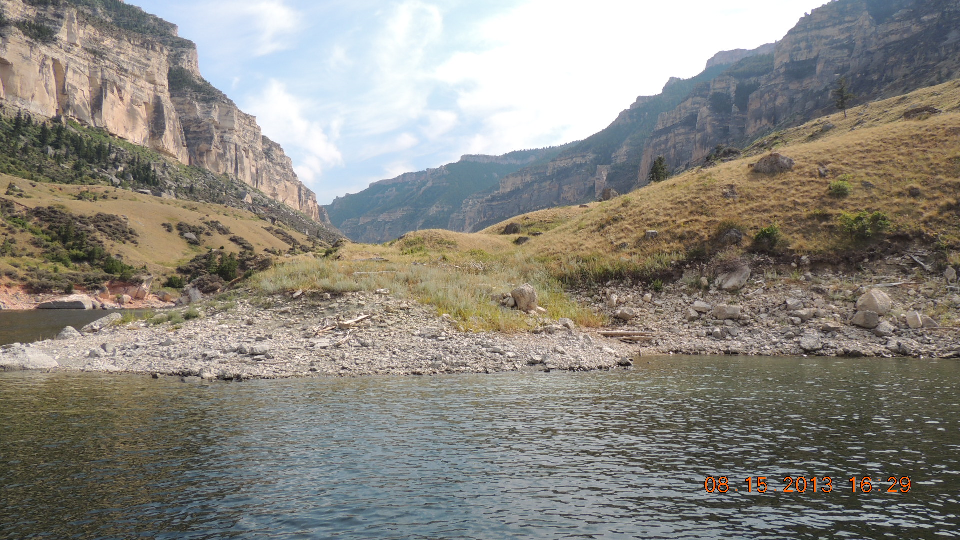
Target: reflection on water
(38, 324)
(599, 455)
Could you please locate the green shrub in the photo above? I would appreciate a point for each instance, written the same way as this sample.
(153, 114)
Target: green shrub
(191, 313)
(767, 238)
(174, 282)
(863, 225)
(839, 189)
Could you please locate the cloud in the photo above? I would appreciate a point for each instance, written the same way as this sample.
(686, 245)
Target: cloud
(283, 117)
(438, 123)
(553, 71)
(256, 27)
(401, 77)
(399, 143)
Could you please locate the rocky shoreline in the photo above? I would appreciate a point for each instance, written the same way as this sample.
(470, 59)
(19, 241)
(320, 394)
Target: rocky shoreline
(242, 336)
(309, 336)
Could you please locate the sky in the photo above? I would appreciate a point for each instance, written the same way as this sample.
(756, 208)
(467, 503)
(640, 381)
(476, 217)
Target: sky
(362, 90)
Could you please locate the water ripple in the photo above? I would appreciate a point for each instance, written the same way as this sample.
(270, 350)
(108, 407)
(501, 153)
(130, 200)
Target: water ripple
(506, 456)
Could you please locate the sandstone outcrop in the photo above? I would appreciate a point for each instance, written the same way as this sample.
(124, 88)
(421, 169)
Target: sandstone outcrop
(143, 85)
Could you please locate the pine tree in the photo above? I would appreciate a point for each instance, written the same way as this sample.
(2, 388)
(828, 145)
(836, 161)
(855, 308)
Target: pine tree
(842, 95)
(658, 171)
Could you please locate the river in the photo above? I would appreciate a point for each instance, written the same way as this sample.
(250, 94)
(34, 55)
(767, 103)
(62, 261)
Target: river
(35, 325)
(556, 455)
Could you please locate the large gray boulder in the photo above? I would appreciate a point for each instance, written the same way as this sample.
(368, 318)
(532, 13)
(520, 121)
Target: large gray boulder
(866, 319)
(773, 164)
(917, 320)
(525, 297)
(101, 323)
(950, 275)
(811, 342)
(19, 358)
(75, 301)
(735, 279)
(68, 333)
(724, 312)
(876, 301)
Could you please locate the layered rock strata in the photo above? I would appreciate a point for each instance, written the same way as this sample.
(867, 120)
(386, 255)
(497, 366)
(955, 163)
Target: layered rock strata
(143, 85)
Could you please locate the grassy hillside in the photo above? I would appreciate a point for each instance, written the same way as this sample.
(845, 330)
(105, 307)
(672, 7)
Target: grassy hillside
(908, 170)
(892, 184)
(146, 233)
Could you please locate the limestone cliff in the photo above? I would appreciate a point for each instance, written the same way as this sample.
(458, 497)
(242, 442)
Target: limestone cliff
(425, 199)
(881, 47)
(129, 73)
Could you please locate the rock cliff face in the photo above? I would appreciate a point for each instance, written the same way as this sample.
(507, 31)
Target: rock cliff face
(881, 47)
(584, 169)
(426, 199)
(129, 73)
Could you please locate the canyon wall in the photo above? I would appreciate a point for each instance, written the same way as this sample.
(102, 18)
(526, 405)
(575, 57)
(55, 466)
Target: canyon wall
(139, 81)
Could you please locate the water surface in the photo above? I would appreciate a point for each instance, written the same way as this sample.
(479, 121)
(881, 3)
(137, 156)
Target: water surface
(38, 324)
(596, 455)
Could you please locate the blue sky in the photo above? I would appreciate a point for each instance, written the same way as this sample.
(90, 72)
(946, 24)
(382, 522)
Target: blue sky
(361, 90)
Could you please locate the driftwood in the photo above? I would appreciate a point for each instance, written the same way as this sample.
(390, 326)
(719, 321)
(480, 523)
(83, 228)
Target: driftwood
(626, 333)
(922, 265)
(346, 325)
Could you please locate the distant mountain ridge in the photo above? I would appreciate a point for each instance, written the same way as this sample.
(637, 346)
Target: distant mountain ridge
(426, 199)
(882, 47)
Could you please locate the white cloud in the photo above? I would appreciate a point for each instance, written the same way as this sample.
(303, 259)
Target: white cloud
(438, 123)
(401, 81)
(554, 71)
(256, 27)
(399, 143)
(285, 119)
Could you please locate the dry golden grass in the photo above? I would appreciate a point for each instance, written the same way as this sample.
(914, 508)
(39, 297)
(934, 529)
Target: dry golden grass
(907, 169)
(872, 145)
(159, 250)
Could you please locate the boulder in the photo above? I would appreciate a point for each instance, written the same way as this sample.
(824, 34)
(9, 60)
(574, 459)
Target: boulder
(725, 312)
(101, 323)
(805, 314)
(143, 289)
(567, 323)
(512, 228)
(773, 164)
(608, 193)
(191, 238)
(651, 234)
(735, 279)
(876, 301)
(811, 342)
(732, 237)
(884, 329)
(625, 314)
(68, 332)
(866, 319)
(702, 307)
(19, 358)
(190, 295)
(692, 314)
(793, 304)
(830, 326)
(950, 274)
(125, 299)
(525, 296)
(917, 320)
(76, 301)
